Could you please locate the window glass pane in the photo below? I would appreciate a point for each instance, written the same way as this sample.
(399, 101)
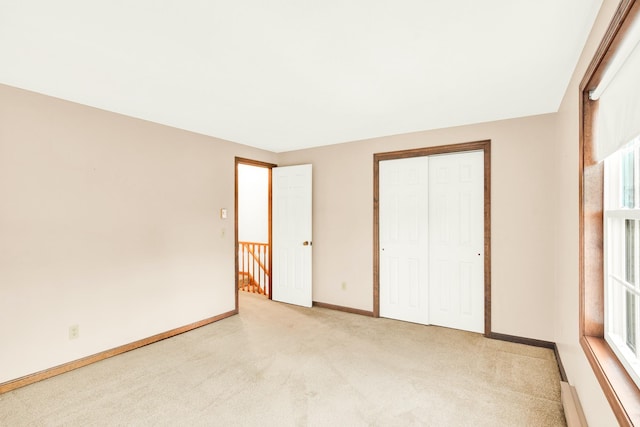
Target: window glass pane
(630, 246)
(630, 309)
(628, 188)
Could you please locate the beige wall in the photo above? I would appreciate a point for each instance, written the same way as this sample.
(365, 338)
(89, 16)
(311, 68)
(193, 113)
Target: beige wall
(107, 222)
(522, 227)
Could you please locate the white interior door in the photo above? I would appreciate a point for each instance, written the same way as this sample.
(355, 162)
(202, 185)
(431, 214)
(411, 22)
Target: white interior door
(456, 240)
(291, 234)
(403, 239)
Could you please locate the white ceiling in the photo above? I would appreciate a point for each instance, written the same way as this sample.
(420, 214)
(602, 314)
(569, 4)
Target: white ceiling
(290, 74)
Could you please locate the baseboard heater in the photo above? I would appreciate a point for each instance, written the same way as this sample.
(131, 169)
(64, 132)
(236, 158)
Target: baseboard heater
(572, 407)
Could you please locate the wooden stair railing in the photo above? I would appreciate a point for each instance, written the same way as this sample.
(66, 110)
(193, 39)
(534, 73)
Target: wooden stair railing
(253, 274)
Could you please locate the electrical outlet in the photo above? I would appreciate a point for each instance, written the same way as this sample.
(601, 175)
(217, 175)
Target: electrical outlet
(344, 286)
(74, 332)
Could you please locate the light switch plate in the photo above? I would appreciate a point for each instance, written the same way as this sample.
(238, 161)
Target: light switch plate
(223, 213)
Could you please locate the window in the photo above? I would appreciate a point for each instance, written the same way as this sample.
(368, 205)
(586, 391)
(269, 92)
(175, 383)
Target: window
(622, 255)
(610, 213)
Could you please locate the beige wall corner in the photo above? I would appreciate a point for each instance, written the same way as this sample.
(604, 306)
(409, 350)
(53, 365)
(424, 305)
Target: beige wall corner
(110, 229)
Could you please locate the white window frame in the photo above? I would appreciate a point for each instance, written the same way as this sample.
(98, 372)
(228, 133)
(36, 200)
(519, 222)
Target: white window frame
(615, 216)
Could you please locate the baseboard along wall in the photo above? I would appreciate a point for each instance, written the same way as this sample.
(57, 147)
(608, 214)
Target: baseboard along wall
(61, 369)
(70, 366)
(535, 343)
(342, 308)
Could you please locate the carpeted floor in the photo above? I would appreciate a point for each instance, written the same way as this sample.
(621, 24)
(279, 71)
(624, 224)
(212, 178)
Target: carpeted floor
(281, 365)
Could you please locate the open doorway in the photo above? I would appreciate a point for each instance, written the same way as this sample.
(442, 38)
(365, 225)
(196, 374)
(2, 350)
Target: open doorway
(253, 227)
(289, 219)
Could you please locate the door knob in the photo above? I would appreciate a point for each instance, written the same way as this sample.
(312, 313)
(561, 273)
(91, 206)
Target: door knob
(306, 243)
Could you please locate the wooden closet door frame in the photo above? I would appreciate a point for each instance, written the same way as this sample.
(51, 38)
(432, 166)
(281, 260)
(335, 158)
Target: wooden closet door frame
(485, 146)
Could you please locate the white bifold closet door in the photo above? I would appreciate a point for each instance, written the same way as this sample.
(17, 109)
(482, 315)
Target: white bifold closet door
(432, 240)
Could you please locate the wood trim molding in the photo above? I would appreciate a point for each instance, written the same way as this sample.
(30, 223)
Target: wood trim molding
(430, 151)
(521, 340)
(619, 389)
(485, 146)
(270, 231)
(344, 309)
(487, 238)
(70, 366)
(563, 373)
(606, 49)
(376, 236)
(258, 163)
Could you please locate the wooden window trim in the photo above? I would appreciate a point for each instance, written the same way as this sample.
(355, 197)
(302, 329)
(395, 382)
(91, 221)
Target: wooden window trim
(621, 392)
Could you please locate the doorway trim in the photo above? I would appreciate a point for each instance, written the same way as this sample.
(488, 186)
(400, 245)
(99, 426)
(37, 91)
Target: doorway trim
(485, 146)
(269, 166)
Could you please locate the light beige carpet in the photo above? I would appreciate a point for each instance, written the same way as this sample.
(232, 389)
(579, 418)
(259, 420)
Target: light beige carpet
(281, 365)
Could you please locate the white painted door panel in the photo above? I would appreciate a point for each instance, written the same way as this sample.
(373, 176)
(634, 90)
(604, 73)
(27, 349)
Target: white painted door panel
(292, 234)
(456, 240)
(403, 239)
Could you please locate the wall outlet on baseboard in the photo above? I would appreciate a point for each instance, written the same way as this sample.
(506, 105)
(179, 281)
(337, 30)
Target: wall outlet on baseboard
(74, 332)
